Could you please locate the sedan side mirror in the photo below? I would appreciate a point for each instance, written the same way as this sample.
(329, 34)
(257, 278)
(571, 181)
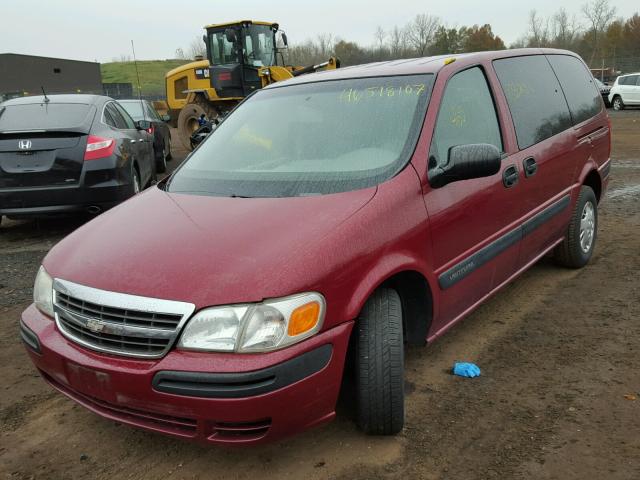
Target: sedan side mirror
(466, 162)
(143, 125)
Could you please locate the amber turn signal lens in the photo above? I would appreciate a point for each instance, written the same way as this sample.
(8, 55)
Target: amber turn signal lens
(304, 318)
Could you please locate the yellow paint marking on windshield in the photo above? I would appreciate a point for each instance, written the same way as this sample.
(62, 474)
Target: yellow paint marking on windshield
(514, 91)
(246, 135)
(457, 116)
(356, 95)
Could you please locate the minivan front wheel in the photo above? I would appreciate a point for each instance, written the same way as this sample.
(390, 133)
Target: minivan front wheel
(617, 103)
(379, 358)
(577, 248)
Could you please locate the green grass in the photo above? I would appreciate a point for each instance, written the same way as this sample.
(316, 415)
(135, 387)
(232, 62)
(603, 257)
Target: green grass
(151, 74)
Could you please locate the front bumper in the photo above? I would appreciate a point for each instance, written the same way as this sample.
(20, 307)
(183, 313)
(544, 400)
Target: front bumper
(210, 397)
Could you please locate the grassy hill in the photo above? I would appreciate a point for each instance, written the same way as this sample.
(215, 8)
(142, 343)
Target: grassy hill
(151, 74)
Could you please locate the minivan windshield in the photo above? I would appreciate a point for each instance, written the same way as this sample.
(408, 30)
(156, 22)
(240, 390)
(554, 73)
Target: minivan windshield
(310, 139)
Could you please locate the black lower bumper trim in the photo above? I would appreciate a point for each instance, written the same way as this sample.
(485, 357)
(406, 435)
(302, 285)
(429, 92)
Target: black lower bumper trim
(29, 338)
(247, 384)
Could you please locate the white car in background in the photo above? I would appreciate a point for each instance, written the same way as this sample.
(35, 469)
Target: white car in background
(625, 91)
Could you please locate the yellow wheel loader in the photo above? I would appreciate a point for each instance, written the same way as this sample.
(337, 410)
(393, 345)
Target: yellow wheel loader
(242, 56)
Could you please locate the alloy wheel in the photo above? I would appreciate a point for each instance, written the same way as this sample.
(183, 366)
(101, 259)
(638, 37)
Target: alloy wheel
(587, 227)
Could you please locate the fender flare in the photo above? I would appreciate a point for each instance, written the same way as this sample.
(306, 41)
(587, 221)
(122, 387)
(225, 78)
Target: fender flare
(383, 270)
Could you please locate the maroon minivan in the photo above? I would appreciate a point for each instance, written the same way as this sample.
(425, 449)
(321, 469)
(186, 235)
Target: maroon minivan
(364, 208)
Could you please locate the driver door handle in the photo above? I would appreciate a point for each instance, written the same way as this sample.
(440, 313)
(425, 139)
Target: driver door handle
(510, 176)
(530, 167)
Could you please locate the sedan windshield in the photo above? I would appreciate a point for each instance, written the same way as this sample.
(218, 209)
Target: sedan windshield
(310, 139)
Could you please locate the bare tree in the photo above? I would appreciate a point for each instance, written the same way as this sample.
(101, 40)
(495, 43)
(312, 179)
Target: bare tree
(538, 30)
(180, 55)
(325, 46)
(599, 14)
(379, 36)
(398, 42)
(564, 29)
(420, 32)
(197, 48)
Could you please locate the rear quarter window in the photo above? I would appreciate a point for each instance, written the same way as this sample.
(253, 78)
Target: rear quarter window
(538, 107)
(579, 89)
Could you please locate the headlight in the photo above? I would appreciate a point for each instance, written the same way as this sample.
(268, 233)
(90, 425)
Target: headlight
(258, 327)
(43, 292)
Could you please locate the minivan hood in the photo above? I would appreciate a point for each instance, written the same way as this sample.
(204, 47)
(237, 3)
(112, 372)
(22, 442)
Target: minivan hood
(202, 249)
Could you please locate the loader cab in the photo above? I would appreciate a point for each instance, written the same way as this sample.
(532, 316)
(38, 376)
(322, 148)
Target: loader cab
(236, 51)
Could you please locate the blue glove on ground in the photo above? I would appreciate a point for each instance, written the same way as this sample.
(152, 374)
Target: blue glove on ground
(464, 369)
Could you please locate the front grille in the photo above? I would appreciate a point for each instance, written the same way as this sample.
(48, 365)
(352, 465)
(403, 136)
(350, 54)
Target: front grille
(118, 315)
(118, 323)
(123, 343)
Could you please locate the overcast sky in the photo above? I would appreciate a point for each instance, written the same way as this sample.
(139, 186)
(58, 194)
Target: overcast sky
(103, 30)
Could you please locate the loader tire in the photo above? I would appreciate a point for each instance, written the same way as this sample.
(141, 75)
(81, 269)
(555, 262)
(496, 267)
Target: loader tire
(188, 118)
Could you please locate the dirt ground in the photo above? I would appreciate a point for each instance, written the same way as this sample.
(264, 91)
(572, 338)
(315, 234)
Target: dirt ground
(559, 395)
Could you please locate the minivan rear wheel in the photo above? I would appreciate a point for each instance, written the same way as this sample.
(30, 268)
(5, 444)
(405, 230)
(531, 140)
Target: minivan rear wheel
(379, 359)
(618, 104)
(577, 248)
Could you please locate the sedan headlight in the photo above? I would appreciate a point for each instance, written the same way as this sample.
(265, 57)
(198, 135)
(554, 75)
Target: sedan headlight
(43, 292)
(258, 327)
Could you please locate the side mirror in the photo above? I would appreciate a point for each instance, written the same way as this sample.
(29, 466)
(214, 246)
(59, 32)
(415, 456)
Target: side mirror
(166, 118)
(466, 162)
(285, 41)
(143, 125)
(230, 35)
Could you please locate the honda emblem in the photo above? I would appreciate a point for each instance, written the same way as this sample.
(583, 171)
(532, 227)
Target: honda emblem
(24, 144)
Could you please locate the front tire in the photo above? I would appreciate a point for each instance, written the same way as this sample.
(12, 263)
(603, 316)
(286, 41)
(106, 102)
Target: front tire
(618, 104)
(577, 248)
(380, 364)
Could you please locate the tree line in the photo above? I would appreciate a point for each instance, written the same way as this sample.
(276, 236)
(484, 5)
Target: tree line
(596, 33)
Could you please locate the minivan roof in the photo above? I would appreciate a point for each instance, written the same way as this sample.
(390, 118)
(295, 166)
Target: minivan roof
(414, 65)
(85, 99)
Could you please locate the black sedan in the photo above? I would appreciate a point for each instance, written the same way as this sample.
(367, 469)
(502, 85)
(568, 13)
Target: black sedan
(142, 110)
(67, 153)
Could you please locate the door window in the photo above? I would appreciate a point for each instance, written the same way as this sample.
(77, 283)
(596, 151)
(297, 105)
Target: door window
(578, 86)
(222, 50)
(467, 115)
(130, 125)
(629, 80)
(114, 116)
(538, 107)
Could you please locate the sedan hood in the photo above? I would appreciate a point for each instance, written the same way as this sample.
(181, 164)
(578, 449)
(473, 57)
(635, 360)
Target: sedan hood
(201, 249)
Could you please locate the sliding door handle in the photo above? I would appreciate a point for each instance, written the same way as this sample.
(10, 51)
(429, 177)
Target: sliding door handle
(530, 167)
